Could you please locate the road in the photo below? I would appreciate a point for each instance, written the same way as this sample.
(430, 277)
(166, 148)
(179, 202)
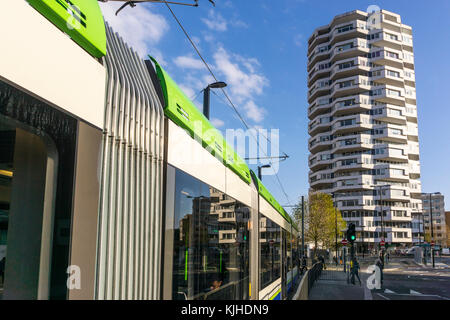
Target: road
(405, 280)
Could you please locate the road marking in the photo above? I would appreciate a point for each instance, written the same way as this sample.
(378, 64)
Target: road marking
(386, 298)
(412, 292)
(388, 291)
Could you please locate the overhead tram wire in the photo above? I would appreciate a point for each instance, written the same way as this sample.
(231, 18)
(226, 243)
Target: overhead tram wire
(226, 95)
(196, 96)
(267, 157)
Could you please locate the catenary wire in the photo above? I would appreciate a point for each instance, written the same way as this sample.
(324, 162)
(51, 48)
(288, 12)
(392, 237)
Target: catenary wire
(226, 96)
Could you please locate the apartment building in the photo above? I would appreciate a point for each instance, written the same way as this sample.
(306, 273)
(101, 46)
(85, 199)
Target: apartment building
(447, 227)
(364, 144)
(433, 205)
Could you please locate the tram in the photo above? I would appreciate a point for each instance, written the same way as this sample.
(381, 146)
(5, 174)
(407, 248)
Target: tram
(113, 185)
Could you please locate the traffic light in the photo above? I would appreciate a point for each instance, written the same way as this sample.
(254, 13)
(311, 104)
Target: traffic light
(351, 232)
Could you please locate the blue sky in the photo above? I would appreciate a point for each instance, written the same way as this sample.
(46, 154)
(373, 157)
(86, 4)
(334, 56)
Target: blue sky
(259, 49)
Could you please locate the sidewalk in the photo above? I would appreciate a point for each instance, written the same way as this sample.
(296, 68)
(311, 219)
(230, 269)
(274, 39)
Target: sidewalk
(340, 290)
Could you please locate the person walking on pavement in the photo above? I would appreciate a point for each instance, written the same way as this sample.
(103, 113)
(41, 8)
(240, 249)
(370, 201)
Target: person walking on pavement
(380, 265)
(355, 271)
(304, 265)
(322, 261)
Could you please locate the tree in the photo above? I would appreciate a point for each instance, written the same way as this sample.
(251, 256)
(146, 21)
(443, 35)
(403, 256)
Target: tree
(322, 221)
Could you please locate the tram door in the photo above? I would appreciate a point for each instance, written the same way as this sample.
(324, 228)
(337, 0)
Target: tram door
(24, 247)
(283, 265)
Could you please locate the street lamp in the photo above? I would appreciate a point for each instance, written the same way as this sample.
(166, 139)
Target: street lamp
(335, 223)
(206, 100)
(259, 170)
(431, 221)
(380, 191)
(362, 236)
(422, 234)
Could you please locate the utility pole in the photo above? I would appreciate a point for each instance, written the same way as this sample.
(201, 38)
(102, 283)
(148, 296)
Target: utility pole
(335, 227)
(432, 233)
(303, 226)
(424, 247)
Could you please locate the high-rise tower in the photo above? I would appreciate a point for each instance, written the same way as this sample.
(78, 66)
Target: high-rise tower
(364, 147)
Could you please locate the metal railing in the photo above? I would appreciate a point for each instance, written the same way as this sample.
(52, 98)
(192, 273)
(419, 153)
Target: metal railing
(314, 274)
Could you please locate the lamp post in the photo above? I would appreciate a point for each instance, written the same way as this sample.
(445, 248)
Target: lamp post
(420, 238)
(303, 226)
(206, 99)
(382, 214)
(431, 222)
(335, 223)
(362, 236)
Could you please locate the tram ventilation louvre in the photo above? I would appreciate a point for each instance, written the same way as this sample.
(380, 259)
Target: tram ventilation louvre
(129, 237)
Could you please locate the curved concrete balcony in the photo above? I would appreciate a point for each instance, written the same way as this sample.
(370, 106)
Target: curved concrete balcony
(393, 155)
(387, 59)
(350, 86)
(316, 110)
(318, 146)
(351, 104)
(319, 128)
(351, 123)
(351, 143)
(354, 32)
(391, 175)
(390, 95)
(387, 41)
(392, 114)
(318, 74)
(343, 71)
(386, 76)
(390, 134)
(320, 182)
(319, 164)
(317, 40)
(318, 56)
(346, 53)
(319, 90)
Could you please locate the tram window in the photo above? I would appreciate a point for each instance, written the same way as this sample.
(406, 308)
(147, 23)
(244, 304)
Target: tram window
(289, 251)
(23, 166)
(270, 252)
(210, 248)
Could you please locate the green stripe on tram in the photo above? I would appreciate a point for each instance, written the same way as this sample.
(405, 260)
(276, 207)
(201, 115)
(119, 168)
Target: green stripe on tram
(82, 20)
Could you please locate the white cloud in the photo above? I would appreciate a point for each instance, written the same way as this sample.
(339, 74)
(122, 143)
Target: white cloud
(215, 21)
(244, 85)
(141, 28)
(298, 40)
(239, 23)
(209, 37)
(217, 123)
(188, 91)
(188, 62)
(243, 80)
(254, 112)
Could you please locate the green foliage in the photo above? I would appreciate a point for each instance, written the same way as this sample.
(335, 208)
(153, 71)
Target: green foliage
(322, 221)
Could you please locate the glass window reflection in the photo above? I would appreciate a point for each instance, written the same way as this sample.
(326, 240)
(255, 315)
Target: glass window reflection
(270, 251)
(211, 243)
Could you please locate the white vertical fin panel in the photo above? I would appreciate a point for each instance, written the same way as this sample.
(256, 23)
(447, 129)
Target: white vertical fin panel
(129, 239)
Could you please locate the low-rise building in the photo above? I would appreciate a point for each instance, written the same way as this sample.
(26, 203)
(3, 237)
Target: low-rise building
(436, 209)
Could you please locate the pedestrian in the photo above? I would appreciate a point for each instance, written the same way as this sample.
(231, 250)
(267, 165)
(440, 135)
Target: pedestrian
(355, 271)
(380, 265)
(303, 266)
(322, 261)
